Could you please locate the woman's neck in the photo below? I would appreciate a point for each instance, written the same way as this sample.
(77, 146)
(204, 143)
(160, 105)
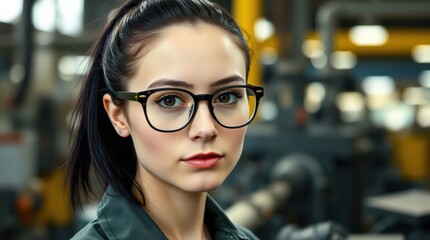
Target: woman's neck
(179, 214)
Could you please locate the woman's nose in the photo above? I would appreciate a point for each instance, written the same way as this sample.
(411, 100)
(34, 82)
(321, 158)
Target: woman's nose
(202, 127)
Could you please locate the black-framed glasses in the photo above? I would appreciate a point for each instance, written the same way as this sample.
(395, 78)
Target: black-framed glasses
(172, 109)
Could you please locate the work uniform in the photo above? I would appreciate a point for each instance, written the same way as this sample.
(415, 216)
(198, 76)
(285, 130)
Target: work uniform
(119, 218)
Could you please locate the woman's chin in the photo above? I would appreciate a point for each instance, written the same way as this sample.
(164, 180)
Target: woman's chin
(204, 186)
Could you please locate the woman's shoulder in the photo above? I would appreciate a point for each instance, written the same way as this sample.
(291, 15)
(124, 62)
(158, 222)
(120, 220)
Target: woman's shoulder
(91, 231)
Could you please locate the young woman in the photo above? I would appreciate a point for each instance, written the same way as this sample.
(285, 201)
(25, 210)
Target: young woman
(161, 121)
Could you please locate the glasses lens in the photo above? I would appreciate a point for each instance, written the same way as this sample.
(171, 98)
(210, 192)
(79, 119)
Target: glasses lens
(169, 110)
(234, 107)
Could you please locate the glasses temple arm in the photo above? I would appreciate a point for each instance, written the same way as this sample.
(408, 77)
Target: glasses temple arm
(126, 95)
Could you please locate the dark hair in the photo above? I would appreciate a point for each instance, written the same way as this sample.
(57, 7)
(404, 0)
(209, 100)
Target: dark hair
(95, 144)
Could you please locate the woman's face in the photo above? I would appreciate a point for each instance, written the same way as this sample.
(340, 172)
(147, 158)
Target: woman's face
(195, 59)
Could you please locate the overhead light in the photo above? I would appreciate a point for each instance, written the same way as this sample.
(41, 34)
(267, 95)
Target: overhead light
(424, 78)
(269, 111)
(423, 116)
(378, 85)
(343, 60)
(421, 53)
(44, 15)
(381, 102)
(319, 59)
(351, 106)
(350, 101)
(71, 12)
(315, 93)
(10, 11)
(71, 66)
(399, 117)
(310, 46)
(368, 35)
(263, 29)
(415, 95)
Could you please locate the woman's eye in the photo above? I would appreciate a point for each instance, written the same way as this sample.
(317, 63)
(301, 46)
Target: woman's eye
(170, 101)
(228, 97)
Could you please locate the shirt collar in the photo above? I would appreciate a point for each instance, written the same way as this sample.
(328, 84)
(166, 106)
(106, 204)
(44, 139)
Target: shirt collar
(120, 218)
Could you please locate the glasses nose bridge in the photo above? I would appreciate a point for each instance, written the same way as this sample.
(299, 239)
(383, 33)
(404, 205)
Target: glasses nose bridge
(203, 97)
(198, 98)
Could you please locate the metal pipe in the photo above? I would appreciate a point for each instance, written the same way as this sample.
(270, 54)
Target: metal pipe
(296, 174)
(25, 45)
(328, 14)
(258, 208)
(300, 27)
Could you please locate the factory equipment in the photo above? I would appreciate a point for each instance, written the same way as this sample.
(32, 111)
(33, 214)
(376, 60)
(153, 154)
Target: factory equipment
(321, 192)
(296, 176)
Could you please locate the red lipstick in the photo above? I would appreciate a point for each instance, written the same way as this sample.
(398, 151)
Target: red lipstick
(203, 160)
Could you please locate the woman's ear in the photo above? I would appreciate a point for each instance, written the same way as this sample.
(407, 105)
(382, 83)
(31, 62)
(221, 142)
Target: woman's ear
(116, 115)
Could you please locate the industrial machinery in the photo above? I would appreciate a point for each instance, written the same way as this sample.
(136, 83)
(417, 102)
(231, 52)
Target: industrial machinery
(304, 173)
(294, 176)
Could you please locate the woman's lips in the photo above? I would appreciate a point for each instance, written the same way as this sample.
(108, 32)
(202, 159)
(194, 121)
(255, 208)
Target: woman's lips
(203, 160)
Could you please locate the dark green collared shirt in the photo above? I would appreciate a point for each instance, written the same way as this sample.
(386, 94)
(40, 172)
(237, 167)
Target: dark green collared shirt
(119, 218)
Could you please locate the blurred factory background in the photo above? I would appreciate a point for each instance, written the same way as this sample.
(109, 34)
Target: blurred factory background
(341, 146)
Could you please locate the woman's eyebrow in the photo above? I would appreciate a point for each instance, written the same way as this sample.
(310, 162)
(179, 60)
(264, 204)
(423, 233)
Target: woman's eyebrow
(170, 82)
(226, 80)
(184, 84)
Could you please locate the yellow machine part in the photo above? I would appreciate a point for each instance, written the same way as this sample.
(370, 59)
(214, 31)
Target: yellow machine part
(411, 153)
(56, 207)
(246, 13)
